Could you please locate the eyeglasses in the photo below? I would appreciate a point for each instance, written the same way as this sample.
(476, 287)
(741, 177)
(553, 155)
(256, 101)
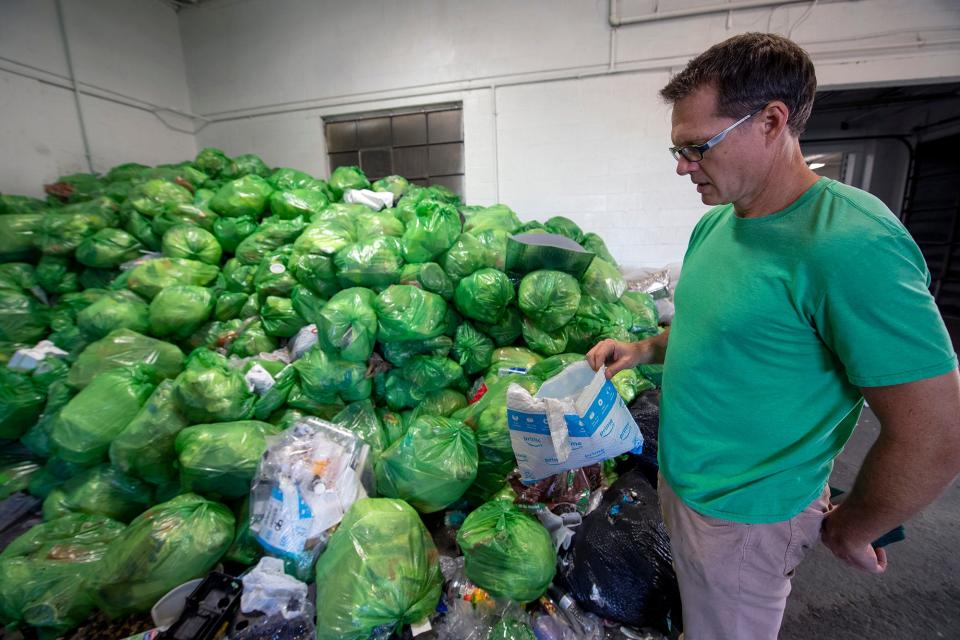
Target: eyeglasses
(694, 152)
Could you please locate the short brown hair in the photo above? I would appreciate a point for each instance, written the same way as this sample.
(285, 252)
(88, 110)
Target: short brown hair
(748, 71)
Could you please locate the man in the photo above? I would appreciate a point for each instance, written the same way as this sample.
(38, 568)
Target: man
(800, 297)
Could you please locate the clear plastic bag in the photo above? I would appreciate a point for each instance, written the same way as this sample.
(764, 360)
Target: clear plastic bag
(307, 479)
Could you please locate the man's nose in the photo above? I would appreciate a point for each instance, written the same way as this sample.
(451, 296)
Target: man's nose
(685, 167)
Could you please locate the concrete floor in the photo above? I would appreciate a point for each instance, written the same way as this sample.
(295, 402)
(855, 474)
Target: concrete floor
(917, 597)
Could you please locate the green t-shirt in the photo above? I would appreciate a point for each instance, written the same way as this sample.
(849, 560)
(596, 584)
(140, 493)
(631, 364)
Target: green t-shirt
(779, 321)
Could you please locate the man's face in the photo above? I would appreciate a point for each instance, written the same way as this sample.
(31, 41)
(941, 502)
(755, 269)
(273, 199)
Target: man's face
(726, 173)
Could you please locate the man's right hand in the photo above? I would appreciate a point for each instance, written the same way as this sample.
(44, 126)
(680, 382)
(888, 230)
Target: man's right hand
(616, 355)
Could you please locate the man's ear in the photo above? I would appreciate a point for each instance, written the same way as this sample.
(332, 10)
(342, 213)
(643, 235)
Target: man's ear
(774, 118)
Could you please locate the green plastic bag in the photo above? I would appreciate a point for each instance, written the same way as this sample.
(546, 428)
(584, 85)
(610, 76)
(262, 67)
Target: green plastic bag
(326, 379)
(428, 276)
(63, 230)
(229, 305)
(179, 310)
(103, 490)
(327, 234)
(212, 162)
(483, 295)
(273, 278)
(184, 214)
(433, 229)
(209, 390)
(397, 185)
(374, 263)
(56, 276)
(361, 418)
(17, 275)
(347, 325)
(442, 403)
(547, 343)
(298, 202)
(488, 418)
(431, 466)
(284, 179)
(507, 552)
(145, 446)
(629, 384)
(251, 341)
(230, 232)
(603, 281)
(596, 320)
(472, 349)
(307, 304)
(17, 235)
(507, 330)
(123, 348)
(344, 178)
(549, 367)
(373, 224)
(20, 204)
(141, 228)
(22, 317)
(496, 217)
(380, 571)
(219, 460)
(151, 277)
(595, 244)
(238, 277)
(246, 196)
(399, 353)
(191, 243)
(409, 313)
(466, 256)
(16, 473)
(46, 573)
(644, 309)
(115, 310)
(163, 547)
(549, 298)
(20, 404)
(270, 236)
(99, 413)
(53, 474)
(512, 358)
(279, 318)
(245, 549)
(250, 164)
(108, 248)
(153, 197)
(564, 227)
(316, 272)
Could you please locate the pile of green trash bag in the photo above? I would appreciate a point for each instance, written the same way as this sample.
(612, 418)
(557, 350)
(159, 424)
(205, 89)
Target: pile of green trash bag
(431, 465)
(166, 284)
(379, 571)
(163, 547)
(47, 574)
(507, 551)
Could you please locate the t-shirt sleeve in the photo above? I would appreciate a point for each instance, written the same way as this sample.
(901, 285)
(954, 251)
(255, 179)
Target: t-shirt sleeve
(877, 315)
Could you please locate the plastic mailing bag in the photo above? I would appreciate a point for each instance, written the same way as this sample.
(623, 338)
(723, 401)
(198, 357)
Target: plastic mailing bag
(307, 479)
(576, 419)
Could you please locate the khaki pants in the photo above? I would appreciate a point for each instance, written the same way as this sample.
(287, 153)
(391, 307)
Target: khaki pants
(735, 578)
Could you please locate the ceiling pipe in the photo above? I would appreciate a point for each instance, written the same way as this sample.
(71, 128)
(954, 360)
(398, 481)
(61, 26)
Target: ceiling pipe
(76, 89)
(616, 21)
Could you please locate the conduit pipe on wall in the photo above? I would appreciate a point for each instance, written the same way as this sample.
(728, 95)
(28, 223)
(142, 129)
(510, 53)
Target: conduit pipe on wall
(76, 90)
(616, 21)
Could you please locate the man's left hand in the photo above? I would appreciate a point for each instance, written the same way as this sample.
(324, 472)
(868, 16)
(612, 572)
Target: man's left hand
(857, 554)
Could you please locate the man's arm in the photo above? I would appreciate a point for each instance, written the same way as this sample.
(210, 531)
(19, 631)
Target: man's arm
(916, 456)
(618, 356)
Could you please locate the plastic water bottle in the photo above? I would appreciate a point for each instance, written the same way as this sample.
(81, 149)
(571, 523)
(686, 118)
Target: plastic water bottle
(588, 626)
